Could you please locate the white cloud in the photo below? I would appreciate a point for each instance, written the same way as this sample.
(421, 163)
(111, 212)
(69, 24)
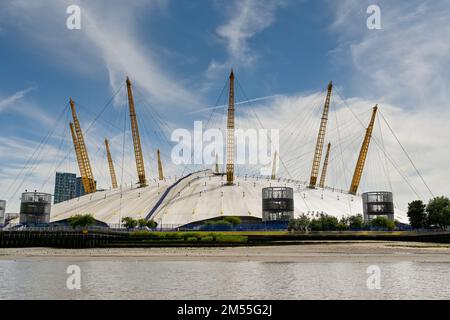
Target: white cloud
(108, 38)
(405, 62)
(18, 103)
(404, 66)
(247, 18)
(123, 55)
(298, 118)
(14, 98)
(24, 166)
(28, 164)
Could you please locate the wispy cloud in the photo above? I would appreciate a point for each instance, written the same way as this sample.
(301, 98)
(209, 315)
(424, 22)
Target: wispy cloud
(19, 104)
(12, 99)
(298, 117)
(405, 62)
(247, 18)
(123, 55)
(107, 38)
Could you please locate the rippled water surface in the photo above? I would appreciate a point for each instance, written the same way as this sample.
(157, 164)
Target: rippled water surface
(222, 280)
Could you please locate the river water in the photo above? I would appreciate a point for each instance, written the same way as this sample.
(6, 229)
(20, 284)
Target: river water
(222, 280)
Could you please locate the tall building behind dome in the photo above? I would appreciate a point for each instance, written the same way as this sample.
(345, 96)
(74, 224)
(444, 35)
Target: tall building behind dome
(65, 186)
(79, 188)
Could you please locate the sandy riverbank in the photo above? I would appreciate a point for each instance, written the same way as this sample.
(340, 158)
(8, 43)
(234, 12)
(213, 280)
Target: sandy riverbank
(317, 252)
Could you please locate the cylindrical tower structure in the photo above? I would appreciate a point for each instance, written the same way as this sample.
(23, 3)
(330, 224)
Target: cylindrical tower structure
(35, 208)
(277, 203)
(378, 203)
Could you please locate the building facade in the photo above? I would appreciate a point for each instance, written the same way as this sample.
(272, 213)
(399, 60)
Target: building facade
(79, 188)
(65, 186)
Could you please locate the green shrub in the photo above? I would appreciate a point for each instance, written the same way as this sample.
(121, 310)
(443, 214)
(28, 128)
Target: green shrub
(356, 222)
(141, 223)
(152, 224)
(383, 222)
(342, 226)
(142, 233)
(192, 239)
(220, 225)
(324, 223)
(207, 239)
(83, 221)
(172, 235)
(187, 235)
(233, 220)
(231, 239)
(300, 224)
(129, 222)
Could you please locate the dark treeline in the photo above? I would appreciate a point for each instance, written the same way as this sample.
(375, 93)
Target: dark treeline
(435, 214)
(330, 223)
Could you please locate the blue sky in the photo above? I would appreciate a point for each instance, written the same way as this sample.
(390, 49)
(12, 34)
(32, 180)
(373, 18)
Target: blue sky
(179, 53)
(289, 57)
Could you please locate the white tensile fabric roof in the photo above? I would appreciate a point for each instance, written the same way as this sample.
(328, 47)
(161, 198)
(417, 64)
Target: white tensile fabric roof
(203, 195)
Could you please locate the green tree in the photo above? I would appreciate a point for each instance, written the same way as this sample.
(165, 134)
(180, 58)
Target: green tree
(316, 224)
(233, 220)
(82, 221)
(300, 224)
(342, 226)
(325, 223)
(329, 223)
(446, 216)
(142, 223)
(129, 222)
(437, 210)
(417, 214)
(383, 222)
(152, 224)
(356, 222)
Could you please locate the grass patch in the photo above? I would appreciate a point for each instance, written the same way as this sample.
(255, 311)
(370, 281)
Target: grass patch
(231, 239)
(188, 237)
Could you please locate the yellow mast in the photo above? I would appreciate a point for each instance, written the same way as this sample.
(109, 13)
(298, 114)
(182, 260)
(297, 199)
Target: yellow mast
(320, 139)
(363, 154)
(111, 165)
(87, 177)
(274, 166)
(78, 154)
(160, 168)
(230, 133)
(136, 139)
(325, 167)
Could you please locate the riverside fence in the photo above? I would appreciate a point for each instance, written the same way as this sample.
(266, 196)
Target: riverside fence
(58, 239)
(109, 238)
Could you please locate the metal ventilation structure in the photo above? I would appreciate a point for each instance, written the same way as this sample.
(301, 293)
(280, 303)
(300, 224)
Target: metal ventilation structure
(277, 204)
